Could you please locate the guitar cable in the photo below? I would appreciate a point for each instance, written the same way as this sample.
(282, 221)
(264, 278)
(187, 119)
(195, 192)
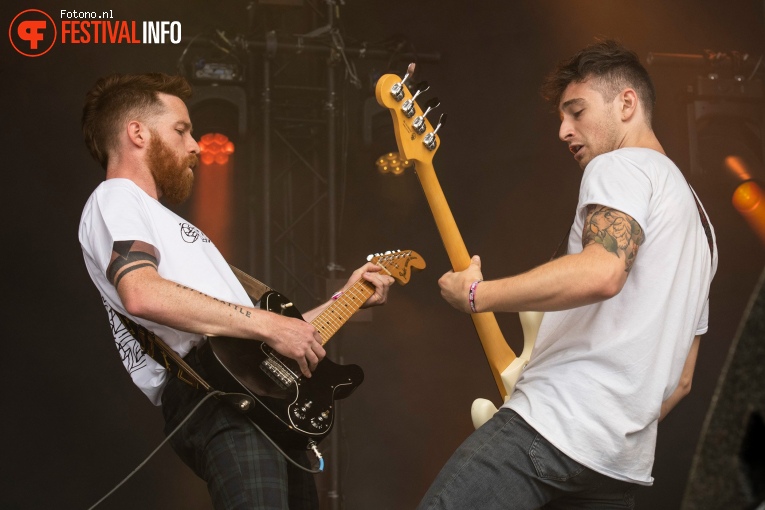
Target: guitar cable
(311, 445)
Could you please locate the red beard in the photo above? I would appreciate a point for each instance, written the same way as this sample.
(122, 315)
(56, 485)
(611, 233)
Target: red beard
(171, 173)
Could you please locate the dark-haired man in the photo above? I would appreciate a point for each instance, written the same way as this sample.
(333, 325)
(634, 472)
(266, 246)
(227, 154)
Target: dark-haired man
(617, 347)
(162, 272)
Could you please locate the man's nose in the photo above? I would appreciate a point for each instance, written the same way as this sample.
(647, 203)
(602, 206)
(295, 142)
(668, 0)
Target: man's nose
(194, 146)
(566, 131)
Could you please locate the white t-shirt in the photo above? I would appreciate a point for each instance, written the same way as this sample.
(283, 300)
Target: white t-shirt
(118, 210)
(599, 373)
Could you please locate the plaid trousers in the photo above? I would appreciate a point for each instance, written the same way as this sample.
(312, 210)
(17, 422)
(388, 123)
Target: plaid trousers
(241, 468)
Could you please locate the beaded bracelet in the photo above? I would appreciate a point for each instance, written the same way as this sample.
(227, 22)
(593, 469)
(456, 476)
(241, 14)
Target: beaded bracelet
(471, 295)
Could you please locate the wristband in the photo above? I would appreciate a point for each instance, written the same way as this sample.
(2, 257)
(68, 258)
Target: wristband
(471, 295)
(337, 295)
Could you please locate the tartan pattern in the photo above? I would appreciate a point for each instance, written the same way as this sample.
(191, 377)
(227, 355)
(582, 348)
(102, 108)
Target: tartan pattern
(241, 468)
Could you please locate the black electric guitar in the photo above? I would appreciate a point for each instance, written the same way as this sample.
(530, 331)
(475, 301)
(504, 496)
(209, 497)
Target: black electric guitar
(295, 410)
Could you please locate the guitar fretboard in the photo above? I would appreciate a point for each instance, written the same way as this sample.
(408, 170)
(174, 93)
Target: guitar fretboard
(338, 313)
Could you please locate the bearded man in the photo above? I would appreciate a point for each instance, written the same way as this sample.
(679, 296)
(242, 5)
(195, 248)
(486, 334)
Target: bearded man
(161, 272)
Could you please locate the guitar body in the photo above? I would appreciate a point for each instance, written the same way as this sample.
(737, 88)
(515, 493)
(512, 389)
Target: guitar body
(291, 408)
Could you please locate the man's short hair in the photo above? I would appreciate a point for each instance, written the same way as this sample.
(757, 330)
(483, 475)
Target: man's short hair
(117, 98)
(612, 68)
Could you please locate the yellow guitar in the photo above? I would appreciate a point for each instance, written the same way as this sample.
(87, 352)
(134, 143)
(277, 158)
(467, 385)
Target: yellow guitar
(418, 142)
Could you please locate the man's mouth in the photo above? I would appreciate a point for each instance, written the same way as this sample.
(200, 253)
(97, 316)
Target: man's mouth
(575, 148)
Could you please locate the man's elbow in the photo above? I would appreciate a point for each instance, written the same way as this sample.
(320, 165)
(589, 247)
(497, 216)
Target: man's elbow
(138, 299)
(609, 285)
(134, 302)
(684, 386)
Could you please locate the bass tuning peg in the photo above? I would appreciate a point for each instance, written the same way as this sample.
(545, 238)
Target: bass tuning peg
(408, 106)
(430, 139)
(397, 90)
(419, 123)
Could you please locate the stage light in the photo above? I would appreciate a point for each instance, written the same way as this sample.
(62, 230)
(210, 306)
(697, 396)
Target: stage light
(748, 201)
(748, 198)
(212, 204)
(215, 148)
(392, 163)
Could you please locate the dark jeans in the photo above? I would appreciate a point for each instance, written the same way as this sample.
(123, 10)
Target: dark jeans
(506, 464)
(241, 468)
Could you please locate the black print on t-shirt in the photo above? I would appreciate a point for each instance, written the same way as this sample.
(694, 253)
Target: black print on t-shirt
(191, 234)
(130, 350)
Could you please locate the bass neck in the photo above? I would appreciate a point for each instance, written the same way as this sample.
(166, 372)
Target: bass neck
(498, 352)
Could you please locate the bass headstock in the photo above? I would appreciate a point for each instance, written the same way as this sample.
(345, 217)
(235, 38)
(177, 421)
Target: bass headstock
(399, 264)
(416, 138)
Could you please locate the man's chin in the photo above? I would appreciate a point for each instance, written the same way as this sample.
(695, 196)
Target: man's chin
(180, 191)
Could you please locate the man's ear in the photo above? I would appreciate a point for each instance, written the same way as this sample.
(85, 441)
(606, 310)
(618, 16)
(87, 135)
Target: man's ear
(629, 103)
(138, 133)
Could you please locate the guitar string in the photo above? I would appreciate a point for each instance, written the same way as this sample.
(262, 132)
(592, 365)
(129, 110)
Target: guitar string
(329, 318)
(335, 318)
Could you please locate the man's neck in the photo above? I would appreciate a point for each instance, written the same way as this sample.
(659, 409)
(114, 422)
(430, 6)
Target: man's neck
(140, 175)
(642, 138)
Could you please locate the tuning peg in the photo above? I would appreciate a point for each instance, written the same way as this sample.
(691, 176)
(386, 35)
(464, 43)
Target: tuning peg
(397, 90)
(430, 139)
(370, 257)
(408, 106)
(419, 123)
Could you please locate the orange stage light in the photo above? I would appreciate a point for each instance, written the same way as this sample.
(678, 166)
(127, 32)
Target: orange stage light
(213, 199)
(215, 148)
(748, 201)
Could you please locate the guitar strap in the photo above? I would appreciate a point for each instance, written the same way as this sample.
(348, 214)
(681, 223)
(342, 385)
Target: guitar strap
(159, 351)
(705, 224)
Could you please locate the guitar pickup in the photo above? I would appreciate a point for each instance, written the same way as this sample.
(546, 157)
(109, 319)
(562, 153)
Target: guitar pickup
(278, 373)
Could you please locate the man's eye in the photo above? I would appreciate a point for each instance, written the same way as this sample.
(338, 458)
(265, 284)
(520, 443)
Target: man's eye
(577, 114)
(179, 131)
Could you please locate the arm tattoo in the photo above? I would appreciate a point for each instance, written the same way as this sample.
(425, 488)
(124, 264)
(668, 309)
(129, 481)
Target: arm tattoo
(616, 231)
(128, 256)
(237, 308)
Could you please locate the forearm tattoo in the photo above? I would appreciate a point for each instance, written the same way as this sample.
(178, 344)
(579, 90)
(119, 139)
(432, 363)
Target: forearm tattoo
(128, 256)
(617, 232)
(242, 310)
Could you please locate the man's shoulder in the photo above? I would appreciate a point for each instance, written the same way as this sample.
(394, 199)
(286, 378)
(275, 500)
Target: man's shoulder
(118, 185)
(649, 163)
(635, 155)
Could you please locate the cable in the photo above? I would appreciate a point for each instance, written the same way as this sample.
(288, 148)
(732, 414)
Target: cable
(311, 445)
(128, 477)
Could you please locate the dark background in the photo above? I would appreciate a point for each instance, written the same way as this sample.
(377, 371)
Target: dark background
(73, 424)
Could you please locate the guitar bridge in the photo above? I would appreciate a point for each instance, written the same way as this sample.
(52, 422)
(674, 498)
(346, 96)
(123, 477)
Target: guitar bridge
(278, 373)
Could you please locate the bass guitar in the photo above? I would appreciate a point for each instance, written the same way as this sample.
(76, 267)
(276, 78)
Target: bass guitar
(418, 142)
(294, 410)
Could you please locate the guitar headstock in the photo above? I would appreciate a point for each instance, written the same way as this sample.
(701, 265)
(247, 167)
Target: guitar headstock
(415, 137)
(399, 264)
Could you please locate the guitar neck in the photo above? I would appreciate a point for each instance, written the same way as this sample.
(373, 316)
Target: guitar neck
(332, 319)
(447, 227)
(498, 353)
